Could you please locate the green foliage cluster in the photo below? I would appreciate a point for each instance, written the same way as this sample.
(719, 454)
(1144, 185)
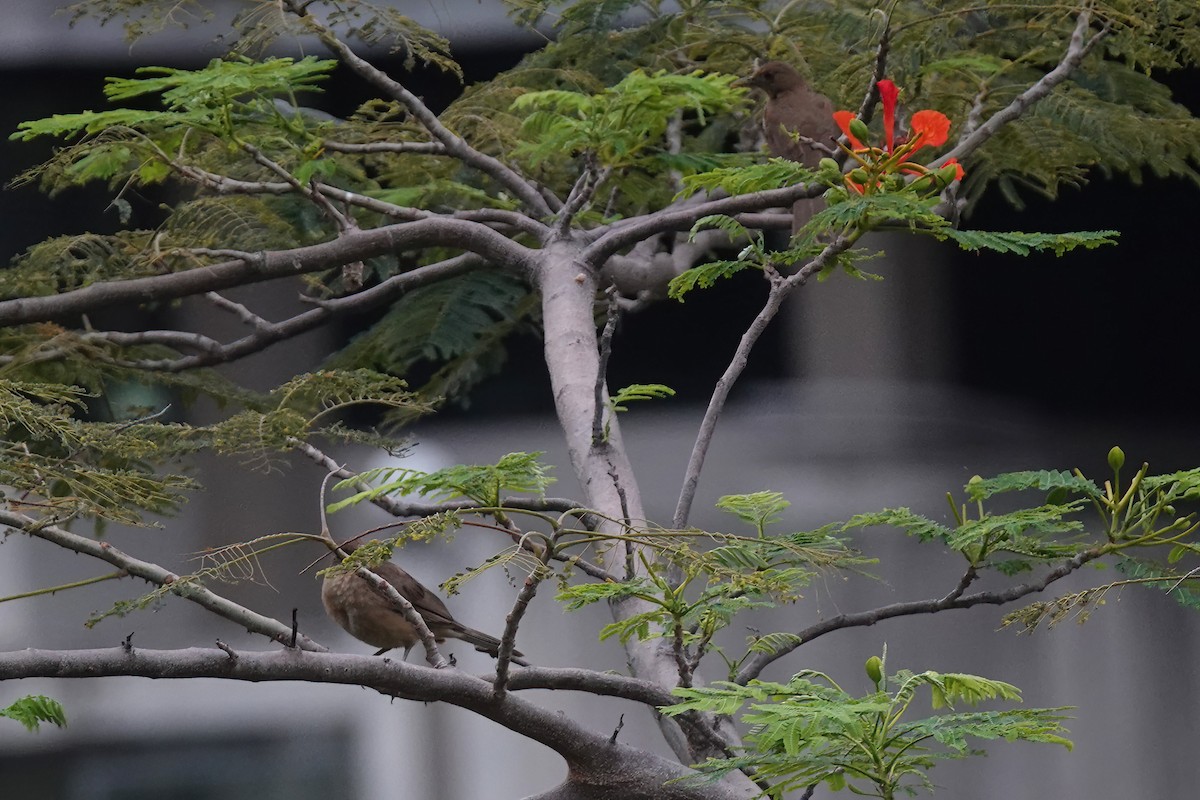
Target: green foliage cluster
(624, 125)
(35, 709)
(811, 731)
(486, 484)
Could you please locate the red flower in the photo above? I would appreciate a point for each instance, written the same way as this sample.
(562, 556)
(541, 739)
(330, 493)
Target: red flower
(843, 119)
(888, 94)
(929, 128)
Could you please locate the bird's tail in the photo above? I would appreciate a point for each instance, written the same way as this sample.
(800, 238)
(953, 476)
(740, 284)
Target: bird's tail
(486, 644)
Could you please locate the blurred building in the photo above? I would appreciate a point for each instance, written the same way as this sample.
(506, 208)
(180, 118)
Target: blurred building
(868, 395)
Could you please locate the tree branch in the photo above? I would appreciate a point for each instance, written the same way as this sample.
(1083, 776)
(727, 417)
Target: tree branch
(356, 246)
(1077, 50)
(780, 288)
(954, 600)
(594, 761)
(674, 218)
(408, 508)
(454, 145)
(153, 573)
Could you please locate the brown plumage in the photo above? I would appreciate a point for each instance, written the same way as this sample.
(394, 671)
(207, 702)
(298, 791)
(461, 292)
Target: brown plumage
(793, 107)
(369, 617)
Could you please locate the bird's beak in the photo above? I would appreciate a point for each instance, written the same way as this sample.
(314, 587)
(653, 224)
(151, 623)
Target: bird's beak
(744, 83)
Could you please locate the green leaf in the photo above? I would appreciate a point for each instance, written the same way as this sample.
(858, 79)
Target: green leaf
(704, 276)
(1042, 480)
(638, 391)
(580, 595)
(758, 508)
(484, 483)
(1023, 244)
(923, 528)
(32, 710)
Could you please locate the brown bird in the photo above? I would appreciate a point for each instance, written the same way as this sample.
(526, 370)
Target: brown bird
(794, 108)
(369, 617)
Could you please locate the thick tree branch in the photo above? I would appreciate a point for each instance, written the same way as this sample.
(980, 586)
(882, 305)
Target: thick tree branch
(678, 218)
(188, 590)
(568, 286)
(355, 246)
(593, 760)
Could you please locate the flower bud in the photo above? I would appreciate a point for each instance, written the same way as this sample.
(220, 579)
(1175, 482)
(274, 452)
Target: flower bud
(947, 174)
(1116, 458)
(859, 130)
(860, 176)
(874, 667)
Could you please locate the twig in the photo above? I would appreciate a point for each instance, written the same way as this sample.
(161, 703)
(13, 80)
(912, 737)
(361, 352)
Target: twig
(422, 148)
(582, 192)
(227, 650)
(606, 337)
(754, 665)
(780, 288)
(407, 508)
(512, 621)
(1077, 50)
(620, 724)
(682, 660)
(65, 586)
(866, 109)
(455, 146)
(250, 620)
(343, 222)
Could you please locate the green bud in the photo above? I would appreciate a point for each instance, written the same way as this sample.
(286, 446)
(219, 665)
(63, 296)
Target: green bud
(947, 174)
(828, 165)
(860, 175)
(874, 667)
(859, 130)
(975, 479)
(924, 184)
(1057, 496)
(836, 195)
(1116, 458)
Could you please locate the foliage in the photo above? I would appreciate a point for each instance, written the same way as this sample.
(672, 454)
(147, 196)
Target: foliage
(33, 710)
(485, 484)
(625, 122)
(811, 731)
(628, 119)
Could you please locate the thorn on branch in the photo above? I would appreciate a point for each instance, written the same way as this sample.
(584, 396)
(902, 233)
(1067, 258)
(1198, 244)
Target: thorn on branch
(127, 644)
(233, 657)
(620, 724)
(292, 641)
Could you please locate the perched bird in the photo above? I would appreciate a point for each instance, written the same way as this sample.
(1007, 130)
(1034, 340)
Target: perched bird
(369, 617)
(794, 108)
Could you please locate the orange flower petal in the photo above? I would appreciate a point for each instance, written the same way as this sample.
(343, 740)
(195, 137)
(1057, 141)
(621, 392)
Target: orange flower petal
(930, 128)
